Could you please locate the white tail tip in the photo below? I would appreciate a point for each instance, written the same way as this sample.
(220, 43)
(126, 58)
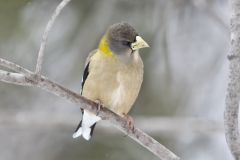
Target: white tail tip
(85, 133)
(78, 133)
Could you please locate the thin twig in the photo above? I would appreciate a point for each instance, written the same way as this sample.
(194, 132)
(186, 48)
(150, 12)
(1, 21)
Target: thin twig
(14, 78)
(233, 92)
(45, 35)
(139, 136)
(13, 66)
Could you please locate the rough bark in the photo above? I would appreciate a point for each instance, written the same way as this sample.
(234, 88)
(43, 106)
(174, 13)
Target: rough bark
(233, 91)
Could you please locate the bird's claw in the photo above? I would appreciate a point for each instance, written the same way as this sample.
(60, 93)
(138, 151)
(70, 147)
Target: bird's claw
(99, 106)
(130, 122)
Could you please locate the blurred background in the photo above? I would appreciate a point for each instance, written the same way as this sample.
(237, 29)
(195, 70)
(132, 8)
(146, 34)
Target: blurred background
(181, 103)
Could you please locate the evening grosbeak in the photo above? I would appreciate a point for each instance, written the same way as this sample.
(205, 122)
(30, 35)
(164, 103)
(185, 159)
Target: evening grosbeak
(113, 75)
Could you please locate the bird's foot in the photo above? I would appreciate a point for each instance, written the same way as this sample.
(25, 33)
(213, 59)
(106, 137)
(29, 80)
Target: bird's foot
(130, 122)
(99, 107)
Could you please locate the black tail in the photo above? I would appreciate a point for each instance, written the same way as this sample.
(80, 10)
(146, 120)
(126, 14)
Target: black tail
(92, 128)
(80, 123)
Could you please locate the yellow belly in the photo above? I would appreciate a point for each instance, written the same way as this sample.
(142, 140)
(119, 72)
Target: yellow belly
(113, 83)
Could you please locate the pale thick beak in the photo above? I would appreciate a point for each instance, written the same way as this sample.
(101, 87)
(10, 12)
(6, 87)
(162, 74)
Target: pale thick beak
(140, 43)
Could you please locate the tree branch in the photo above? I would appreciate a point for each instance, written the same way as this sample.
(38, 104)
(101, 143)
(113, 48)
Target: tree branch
(233, 91)
(54, 88)
(45, 35)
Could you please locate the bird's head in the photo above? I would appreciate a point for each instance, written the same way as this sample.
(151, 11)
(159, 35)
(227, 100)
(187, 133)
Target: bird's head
(122, 40)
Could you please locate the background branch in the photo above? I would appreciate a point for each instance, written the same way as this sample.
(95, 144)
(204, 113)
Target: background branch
(166, 125)
(45, 35)
(233, 92)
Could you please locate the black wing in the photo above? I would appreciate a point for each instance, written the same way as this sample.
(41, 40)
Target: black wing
(86, 69)
(85, 75)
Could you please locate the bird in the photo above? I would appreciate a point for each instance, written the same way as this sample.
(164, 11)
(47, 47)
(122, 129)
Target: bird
(113, 75)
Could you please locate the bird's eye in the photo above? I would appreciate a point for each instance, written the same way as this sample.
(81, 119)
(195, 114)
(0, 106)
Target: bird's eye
(126, 43)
